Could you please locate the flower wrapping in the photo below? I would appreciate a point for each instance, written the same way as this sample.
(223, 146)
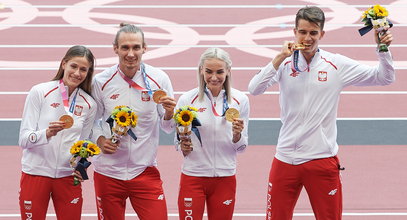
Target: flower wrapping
(81, 150)
(121, 120)
(186, 119)
(376, 17)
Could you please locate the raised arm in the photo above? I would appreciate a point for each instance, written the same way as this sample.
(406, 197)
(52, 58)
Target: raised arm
(264, 79)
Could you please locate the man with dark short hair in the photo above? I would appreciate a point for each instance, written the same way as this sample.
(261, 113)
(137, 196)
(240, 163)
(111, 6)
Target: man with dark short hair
(310, 81)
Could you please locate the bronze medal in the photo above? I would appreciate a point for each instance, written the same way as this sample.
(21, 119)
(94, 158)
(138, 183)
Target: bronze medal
(68, 121)
(158, 95)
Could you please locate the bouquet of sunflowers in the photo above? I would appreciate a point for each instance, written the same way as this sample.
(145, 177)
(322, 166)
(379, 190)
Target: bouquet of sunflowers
(183, 118)
(81, 150)
(121, 119)
(186, 119)
(376, 17)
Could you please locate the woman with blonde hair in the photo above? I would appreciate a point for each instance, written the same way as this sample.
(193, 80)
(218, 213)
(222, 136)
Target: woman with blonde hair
(209, 167)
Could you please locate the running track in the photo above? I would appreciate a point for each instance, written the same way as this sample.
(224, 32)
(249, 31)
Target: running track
(36, 34)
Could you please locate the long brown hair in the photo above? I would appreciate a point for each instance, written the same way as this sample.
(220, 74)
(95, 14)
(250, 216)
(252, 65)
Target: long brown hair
(79, 51)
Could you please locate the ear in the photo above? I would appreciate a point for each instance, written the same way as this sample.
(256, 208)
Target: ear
(144, 47)
(63, 64)
(228, 72)
(115, 49)
(322, 34)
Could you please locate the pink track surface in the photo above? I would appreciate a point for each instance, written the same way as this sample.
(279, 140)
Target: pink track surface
(374, 179)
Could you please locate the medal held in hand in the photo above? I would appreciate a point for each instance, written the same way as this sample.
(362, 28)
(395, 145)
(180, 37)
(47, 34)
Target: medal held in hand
(376, 17)
(231, 114)
(298, 46)
(68, 120)
(157, 95)
(121, 120)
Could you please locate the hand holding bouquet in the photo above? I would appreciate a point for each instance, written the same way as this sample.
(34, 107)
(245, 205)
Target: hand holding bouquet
(186, 119)
(81, 150)
(376, 17)
(121, 120)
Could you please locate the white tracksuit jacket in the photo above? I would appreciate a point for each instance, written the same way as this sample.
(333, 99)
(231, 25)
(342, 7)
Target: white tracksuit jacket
(50, 157)
(132, 157)
(309, 100)
(216, 157)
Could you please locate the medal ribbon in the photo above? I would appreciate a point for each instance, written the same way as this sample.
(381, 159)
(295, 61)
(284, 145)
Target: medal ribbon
(65, 97)
(225, 104)
(294, 63)
(134, 84)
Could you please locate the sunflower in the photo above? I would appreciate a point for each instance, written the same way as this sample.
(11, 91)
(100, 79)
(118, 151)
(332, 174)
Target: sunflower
(365, 13)
(76, 147)
(375, 12)
(123, 118)
(380, 11)
(185, 117)
(84, 148)
(133, 119)
(92, 149)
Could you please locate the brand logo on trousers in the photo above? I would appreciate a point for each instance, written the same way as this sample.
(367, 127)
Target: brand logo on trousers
(161, 197)
(99, 203)
(333, 192)
(227, 202)
(269, 201)
(75, 201)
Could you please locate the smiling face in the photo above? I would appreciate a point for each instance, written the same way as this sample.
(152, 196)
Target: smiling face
(308, 34)
(75, 72)
(214, 73)
(130, 48)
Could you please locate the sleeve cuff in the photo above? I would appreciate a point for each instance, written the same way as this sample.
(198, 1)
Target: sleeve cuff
(240, 145)
(167, 125)
(37, 138)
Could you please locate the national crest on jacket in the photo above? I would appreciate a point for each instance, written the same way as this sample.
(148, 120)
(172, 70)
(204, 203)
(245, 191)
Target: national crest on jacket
(322, 76)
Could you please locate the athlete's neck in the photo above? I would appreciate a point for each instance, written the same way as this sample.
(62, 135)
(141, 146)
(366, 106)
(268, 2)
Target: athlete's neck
(129, 72)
